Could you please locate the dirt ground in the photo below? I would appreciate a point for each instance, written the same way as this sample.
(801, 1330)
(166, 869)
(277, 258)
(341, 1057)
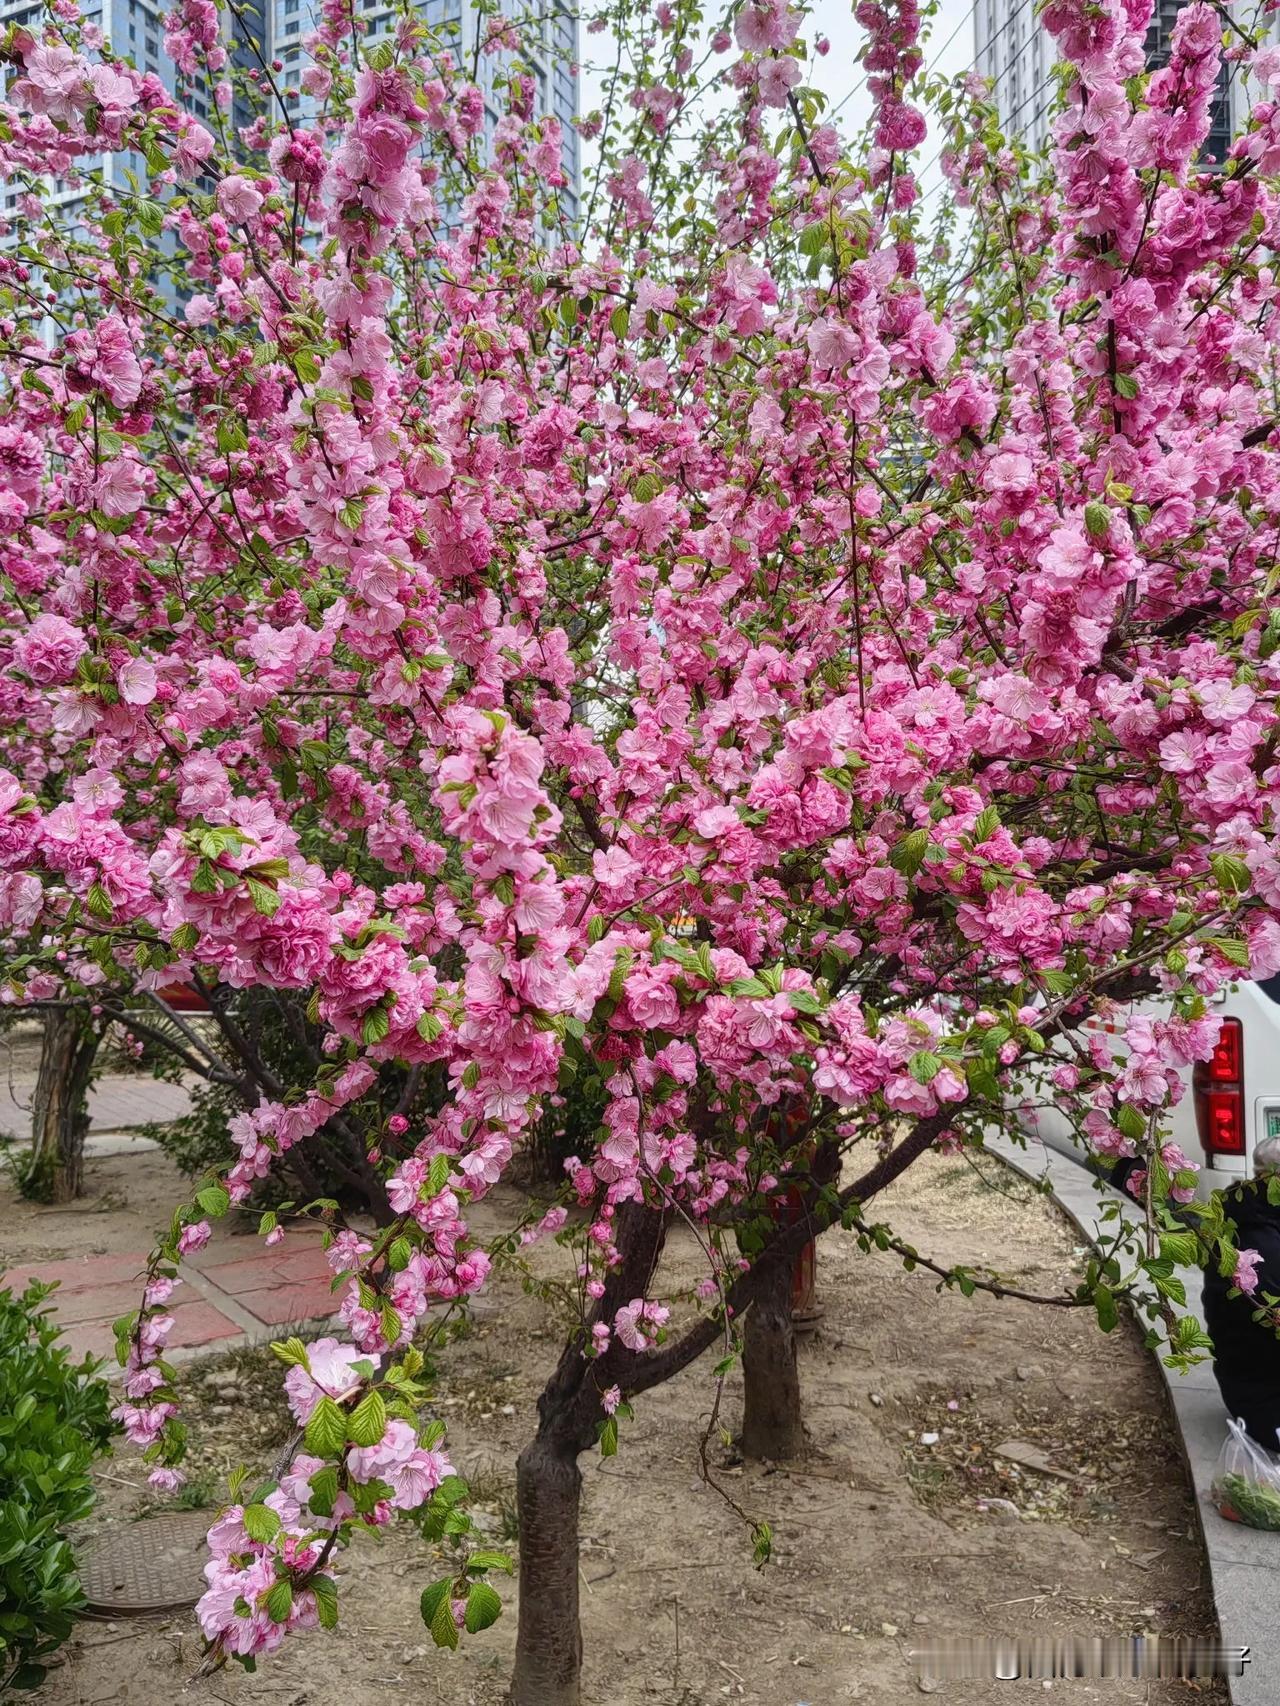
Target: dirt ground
(881, 1538)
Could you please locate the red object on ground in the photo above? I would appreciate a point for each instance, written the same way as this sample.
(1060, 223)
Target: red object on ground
(183, 998)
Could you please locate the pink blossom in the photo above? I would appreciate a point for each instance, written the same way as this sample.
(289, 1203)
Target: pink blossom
(239, 198)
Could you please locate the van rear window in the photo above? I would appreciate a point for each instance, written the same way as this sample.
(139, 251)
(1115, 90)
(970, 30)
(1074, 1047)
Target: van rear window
(1271, 986)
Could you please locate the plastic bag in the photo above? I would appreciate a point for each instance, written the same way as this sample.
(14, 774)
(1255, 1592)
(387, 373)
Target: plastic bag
(1246, 1483)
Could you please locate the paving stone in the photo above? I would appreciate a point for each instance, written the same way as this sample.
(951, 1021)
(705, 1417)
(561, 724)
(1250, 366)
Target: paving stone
(80, 1273)
(94, 1303)
(194, 1324)
(252, 1267)
(308, 1300)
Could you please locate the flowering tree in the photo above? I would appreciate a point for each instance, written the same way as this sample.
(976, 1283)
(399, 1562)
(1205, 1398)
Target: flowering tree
(724, 643)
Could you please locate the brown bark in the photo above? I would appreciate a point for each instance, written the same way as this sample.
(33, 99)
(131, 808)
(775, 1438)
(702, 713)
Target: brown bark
(772, 1423)
(59, 1110)
(548, 1665)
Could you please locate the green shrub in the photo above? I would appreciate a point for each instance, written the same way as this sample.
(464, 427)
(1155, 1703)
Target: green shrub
(54, 1420)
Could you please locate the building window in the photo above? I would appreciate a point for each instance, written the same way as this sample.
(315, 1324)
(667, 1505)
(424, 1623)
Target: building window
(1159, 45)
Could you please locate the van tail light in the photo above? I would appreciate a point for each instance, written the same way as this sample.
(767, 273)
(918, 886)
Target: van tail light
(1218, 1088)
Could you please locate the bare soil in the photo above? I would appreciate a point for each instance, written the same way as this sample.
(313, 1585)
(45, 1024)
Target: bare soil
(881, 1538)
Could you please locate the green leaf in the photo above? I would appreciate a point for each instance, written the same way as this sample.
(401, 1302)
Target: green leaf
(924, 1066)
(437, 1174)
(266, 900)
(205, 879)
(324, 1490)
(292, 1353)
(215, 1200)
(620, 322)
(391, 1324)
(98, 901)
(1126, 385)
(28, 1675)
(326, 1429)
(444, 1631)
(908, 855)
(368, 1421)
(1229, 872)
(1104, 1302)
(326, 1592)
(399, 1255)
(986, 826)
(1097, 520)
(609, 1437)
(279, 1602)
(230, 435)
(1179, 1248)
(491, 1561)
(261, 1524)
(1235, 953)
(483, 1608)
(377, 1023)
(1129, 1122)
(429, 1604)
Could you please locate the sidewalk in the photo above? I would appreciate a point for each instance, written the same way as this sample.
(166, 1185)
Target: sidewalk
(235, 1291)
(116, 1104)
(1243, 1562)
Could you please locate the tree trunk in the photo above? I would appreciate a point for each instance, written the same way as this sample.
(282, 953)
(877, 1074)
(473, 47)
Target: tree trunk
(549, 1640)
(548, 1667)
(59, 1110)
(772, 1426)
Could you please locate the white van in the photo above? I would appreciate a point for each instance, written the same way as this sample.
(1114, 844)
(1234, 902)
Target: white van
(1231, 1103)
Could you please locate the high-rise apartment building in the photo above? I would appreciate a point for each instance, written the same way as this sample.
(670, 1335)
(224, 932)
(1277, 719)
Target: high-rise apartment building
(131, 29)
(274, 30)
(549, 46)
(1017, 53)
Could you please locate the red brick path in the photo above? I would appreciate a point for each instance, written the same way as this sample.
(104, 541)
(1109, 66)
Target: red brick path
(235, 1291)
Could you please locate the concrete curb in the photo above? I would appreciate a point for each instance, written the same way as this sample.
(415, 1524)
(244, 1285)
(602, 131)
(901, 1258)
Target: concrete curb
(1244, 1563)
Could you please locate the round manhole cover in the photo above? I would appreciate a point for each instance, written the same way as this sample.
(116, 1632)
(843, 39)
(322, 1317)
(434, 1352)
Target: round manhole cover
(153, 1565)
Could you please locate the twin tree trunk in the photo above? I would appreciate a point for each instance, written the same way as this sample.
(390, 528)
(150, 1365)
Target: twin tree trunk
(548, 1662)
(59, 1108)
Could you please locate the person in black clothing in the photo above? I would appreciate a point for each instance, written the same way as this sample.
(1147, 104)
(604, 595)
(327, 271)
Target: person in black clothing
(1246, 1352)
